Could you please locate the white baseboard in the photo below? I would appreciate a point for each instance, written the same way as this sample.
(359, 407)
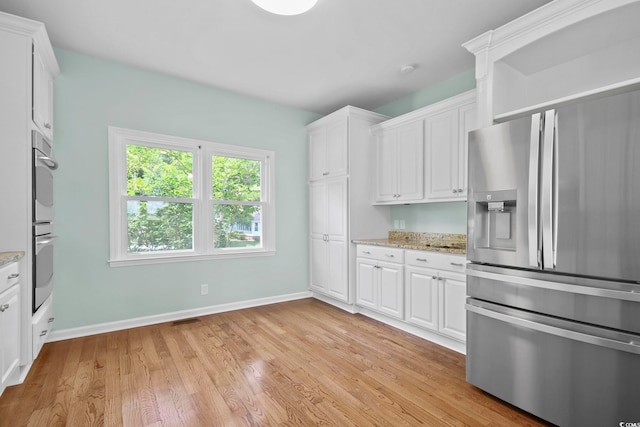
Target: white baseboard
(83, 331)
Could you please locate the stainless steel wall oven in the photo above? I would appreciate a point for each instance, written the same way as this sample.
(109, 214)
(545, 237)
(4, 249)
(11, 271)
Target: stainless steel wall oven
(42, 237)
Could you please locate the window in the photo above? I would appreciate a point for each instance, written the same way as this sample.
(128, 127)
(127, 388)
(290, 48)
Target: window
(175, 199)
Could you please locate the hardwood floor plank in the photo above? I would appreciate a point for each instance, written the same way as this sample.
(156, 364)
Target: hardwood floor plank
(300, 363)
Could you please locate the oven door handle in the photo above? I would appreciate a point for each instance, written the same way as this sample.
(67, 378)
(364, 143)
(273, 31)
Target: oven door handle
(628, 346)
(48, 162)
(48, 239)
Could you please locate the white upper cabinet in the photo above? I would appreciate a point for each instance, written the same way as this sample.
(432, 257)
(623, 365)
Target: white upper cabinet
(328, 148)
(421, 156)
(399, 167)
(42, 94)
(562, 51)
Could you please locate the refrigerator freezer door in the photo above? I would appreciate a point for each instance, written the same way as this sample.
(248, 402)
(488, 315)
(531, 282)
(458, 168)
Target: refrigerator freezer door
(503, 189)
(598, 188)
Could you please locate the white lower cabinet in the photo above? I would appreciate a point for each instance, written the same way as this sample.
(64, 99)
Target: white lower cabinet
(421, 285)
(41, 325)
(9, 334)
(380, 284)
(423, 288)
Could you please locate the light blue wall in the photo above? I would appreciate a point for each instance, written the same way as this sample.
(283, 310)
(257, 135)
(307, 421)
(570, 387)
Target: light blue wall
(432, 217)
(91, 94)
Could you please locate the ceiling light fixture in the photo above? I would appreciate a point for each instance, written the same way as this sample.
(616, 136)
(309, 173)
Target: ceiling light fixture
(407, 69)
(286, 7)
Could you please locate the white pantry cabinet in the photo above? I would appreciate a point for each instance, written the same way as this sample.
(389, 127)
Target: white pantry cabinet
(421, 156)
(399, 163)
(328, 206)
(340, 210)
(380, 284)
(28, 67)
(10, 311)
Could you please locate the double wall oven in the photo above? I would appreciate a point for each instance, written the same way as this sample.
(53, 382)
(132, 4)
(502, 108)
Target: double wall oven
(43, 237)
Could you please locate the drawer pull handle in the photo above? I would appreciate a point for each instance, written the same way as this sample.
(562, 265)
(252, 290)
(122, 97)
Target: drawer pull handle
(4, 308)
(421, 259)
(391, 255)
(13, 276)
(457, 264)
(50, 319)
(43, 333)
(366, 252)
(434, 277)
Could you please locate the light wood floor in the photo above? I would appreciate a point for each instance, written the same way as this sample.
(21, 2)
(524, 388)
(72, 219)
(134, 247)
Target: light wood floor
(296, 363)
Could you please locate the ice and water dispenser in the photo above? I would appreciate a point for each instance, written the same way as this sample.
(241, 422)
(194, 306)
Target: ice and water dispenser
(495, 215)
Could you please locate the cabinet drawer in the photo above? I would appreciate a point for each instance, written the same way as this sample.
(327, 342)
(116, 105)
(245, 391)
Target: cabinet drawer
(381, 253)
(436, 260)
(41, 325)
(8, 276)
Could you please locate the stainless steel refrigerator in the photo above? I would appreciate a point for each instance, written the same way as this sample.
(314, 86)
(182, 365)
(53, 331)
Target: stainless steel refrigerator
(553, 308)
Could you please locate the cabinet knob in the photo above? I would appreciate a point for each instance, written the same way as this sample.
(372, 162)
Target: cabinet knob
(434, 277)
(455, 191)
(43, 333)
(13, 276)
(50, 320)
(47, 125)
(325, 173)
(4, 307)
(459, 190)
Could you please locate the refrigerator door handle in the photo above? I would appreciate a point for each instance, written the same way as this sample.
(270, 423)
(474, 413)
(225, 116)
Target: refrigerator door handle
(532, 214)
(628, 346)
(548, 253)
(619, 294)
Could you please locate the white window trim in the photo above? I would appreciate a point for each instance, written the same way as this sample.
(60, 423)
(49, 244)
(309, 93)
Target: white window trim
(202, 203)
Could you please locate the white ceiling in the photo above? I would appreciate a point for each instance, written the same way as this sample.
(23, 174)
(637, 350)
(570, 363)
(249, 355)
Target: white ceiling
(342, 52)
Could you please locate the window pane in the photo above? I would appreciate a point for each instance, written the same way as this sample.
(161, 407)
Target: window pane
(159, 172)
(235, 179)
(237, 226)
(159, 226)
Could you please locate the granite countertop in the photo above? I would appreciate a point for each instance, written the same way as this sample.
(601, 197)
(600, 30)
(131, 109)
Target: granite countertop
(9, 257)
(436, 242)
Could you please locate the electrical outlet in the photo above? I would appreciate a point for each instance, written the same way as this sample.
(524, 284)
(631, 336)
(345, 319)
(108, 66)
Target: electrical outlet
(204, 289)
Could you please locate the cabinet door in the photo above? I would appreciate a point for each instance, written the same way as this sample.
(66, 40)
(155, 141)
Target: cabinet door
(317, 154)
(337, 152)
(318, 207)
(338, 283)
(441, 155)
(386, 166)
(453, 294)
(422, 297)
(9, 332)
(336, 226)
(468, 122)
(410, 148)
(319, 264)
(42, 96)
(391, 286)
(367, 283)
